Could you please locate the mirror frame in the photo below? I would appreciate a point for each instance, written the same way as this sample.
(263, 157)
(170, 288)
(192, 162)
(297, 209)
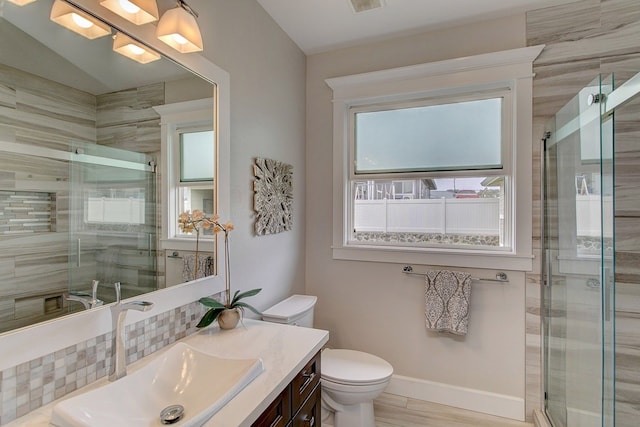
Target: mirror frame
(71, 329)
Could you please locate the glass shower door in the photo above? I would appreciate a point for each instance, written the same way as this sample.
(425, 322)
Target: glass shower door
(579, 262)
(112, 221)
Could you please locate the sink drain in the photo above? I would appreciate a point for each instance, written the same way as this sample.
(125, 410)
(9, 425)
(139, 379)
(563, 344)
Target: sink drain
(171, 414)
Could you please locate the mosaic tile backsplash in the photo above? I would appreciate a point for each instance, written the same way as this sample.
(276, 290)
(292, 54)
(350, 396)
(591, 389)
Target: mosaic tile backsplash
(36, 383)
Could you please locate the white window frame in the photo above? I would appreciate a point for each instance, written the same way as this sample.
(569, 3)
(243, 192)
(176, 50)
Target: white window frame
(175, 119)
(506, 140)
(511, 70)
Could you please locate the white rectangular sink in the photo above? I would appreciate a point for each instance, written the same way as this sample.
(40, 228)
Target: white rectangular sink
(200, 382)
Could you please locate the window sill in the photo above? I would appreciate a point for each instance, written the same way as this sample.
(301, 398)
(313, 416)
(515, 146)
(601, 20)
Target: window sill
(450, 258)
(186, 245)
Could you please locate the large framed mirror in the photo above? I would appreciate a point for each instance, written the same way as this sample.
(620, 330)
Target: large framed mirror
(81, 185)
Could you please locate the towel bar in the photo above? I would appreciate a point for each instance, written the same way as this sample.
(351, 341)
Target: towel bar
(500, 277)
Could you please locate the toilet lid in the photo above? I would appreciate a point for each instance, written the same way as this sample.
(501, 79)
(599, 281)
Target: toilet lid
(354, 367)
(290, 309)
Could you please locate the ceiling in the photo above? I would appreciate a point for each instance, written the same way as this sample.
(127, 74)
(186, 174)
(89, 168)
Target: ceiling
(323, 25)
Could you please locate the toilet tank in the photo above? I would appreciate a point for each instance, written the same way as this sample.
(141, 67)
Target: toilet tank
(296, 310)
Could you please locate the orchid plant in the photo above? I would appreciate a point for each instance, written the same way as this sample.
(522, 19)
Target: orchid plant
(196, 221)
(188, 222)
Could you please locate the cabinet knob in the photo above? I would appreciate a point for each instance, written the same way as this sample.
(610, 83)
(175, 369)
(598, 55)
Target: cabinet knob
(309, 421)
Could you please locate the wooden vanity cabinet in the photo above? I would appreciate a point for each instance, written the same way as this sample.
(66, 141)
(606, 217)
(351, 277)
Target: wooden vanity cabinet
(309, 414)
(299, 403)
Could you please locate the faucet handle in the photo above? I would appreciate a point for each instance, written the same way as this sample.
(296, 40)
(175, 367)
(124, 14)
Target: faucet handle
(94, 288)
(117, 286)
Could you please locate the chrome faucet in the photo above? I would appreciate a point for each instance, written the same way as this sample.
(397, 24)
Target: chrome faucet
(88, 301)
(118, 314)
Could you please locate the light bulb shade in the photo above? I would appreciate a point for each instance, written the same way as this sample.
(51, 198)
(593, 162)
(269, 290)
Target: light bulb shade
(78, 21)
(21, 2)
(179, 29)
(132, 49)
(137, 11)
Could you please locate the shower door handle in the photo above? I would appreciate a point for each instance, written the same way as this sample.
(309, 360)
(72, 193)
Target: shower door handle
(606, 298)
(79, 245)
(546, 279)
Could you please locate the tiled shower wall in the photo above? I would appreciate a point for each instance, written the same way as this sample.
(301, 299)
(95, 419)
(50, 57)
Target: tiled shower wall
(33, 264)
(126, 120)
(26, 212)
(35, 383)
(584, 39)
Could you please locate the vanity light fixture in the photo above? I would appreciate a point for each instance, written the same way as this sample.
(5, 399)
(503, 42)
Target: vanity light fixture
(78, 21)
(125, 45)
(179, 29)
(21, 2)
(137, 11)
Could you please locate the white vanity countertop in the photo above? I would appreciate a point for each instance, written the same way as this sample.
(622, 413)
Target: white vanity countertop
(284, 351)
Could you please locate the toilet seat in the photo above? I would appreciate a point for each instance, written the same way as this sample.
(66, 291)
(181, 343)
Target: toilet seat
(354, 368)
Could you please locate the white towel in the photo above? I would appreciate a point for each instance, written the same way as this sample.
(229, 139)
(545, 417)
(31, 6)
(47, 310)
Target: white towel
(205, 266)
(448, 294)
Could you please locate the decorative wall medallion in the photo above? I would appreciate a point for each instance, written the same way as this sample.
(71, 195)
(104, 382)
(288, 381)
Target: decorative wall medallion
(273, 196)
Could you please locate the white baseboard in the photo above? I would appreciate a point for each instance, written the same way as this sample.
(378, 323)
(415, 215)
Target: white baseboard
(460, 397)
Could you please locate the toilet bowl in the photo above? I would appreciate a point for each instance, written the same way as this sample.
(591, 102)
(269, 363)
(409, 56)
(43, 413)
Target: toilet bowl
(350, 379)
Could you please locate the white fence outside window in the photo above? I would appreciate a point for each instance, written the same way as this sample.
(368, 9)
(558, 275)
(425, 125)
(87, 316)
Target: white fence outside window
(445, 216)
(458, 216)
(589, 214)
(124, 210)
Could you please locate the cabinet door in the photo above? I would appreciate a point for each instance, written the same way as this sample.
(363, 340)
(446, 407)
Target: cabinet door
(278, 413)
(304, 383)
(309, 415)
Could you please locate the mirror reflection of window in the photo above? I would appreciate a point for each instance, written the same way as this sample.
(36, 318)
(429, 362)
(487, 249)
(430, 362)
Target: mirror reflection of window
(196, 156)
(195, 188)
(115, 206)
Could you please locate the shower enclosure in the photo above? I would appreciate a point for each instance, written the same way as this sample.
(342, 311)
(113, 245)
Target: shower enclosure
(579, 317)
(112, 221)
(69, 216)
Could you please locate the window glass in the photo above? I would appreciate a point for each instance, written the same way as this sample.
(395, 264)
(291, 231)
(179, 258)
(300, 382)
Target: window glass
(196, 197)
(466, 211)
(450, 136)
(115, 206)
(195, 187)
(196, 156)
(429, 175)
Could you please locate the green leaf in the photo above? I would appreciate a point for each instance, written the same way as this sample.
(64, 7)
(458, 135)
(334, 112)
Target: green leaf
(237, 297)
(210, 302)
(245, 305)
(209, 317)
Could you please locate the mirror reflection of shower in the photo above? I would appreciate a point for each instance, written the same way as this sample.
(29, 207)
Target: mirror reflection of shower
(113, 220)
(72, 218)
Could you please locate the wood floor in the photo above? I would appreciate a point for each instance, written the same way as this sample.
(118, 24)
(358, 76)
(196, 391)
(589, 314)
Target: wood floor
(397, 411)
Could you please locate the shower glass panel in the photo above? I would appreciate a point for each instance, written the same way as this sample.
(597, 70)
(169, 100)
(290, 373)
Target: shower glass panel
(579, 262)
(112, 221)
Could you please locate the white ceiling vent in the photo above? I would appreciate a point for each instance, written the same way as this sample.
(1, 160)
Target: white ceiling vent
(364, 5)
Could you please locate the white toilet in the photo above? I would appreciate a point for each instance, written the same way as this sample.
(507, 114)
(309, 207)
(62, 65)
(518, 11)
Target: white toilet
(350, 379)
